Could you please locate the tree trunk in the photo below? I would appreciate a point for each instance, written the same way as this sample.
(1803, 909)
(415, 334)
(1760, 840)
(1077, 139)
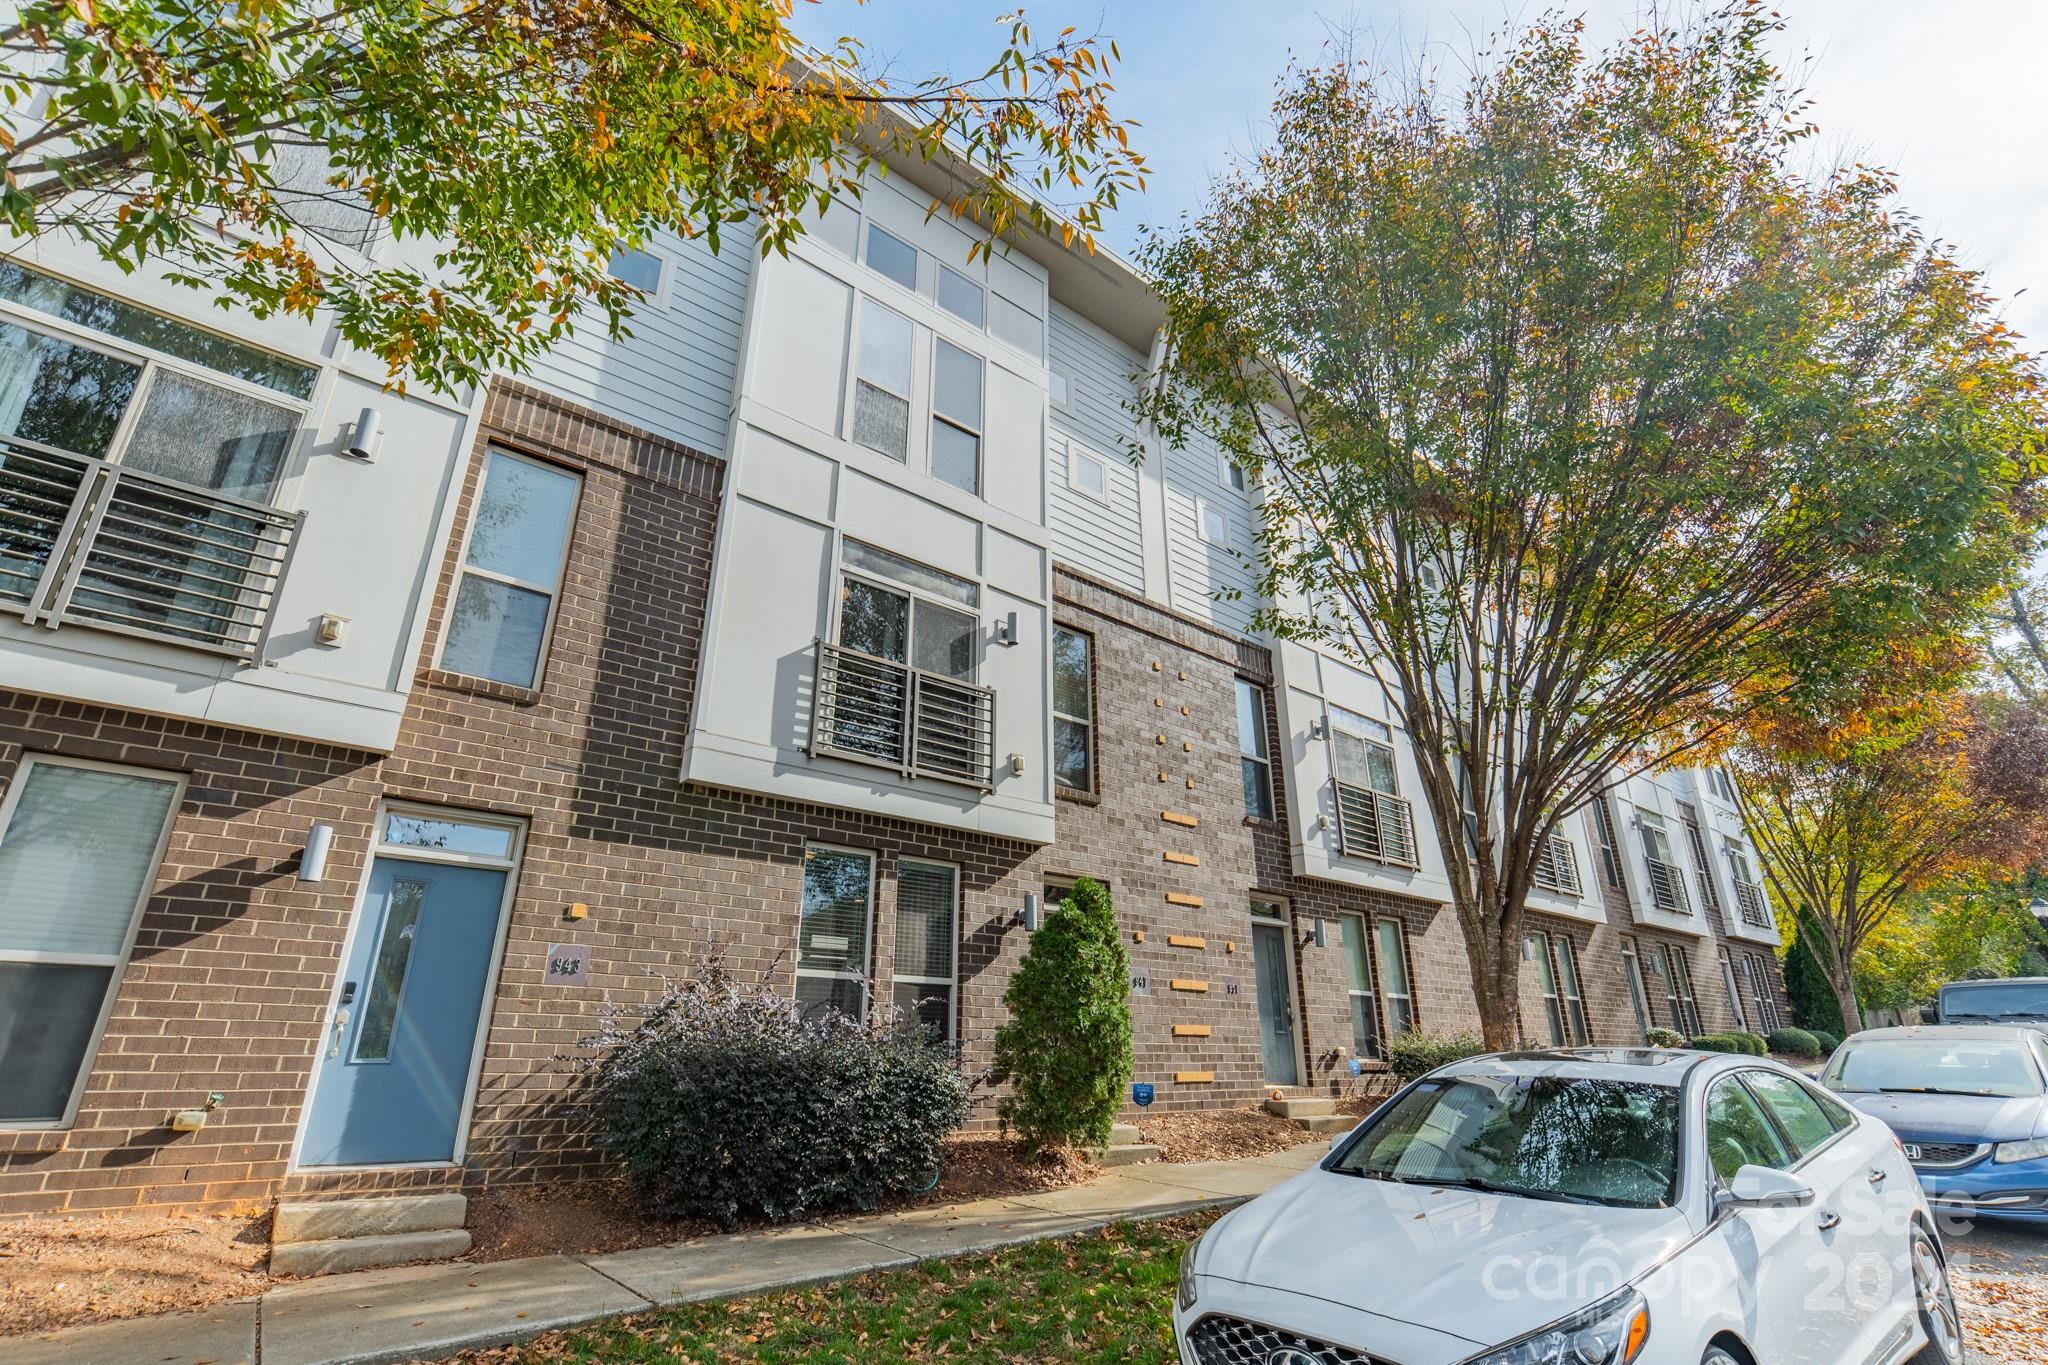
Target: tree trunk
(1843, 979)
(1496, 979)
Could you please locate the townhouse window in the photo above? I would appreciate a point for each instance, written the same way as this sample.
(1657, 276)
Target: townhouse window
(1678, 996)
(79, 846)
(1667, 882)
(644, 270)
(1391, 949)
(1210, 523)
(1059, 389)
(1358, 984)
(1702, 867)
(1610, 852)
(956, 416)
(1638, 996)
(924, 982)
(1253, 758)
(881, 392)
(1536, 949)
(1073, 709)
(896, 688)
(891, 257)
(512, 567)
(1733, 988)
(1721, 784)
(832, 930)
(960, 296)
(1373, 820)
(177, 440)
(1568, 987)
(1762, 968)
(1086, 473)
(1750, 902)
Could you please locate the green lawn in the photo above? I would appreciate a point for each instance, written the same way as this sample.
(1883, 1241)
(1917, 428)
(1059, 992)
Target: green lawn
(1106, 1296)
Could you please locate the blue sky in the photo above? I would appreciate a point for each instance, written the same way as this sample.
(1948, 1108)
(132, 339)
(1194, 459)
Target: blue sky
(1947, 94)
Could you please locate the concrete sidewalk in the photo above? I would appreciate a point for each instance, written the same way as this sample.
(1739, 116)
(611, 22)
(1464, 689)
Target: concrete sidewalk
(434, 1310)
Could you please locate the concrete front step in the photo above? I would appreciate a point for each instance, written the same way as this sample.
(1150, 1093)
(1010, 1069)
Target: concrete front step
(1327, 1123)
(366, 1253)
(326, 1220)
(1124, 1154)
(1124, 1135)
(1301, 1108)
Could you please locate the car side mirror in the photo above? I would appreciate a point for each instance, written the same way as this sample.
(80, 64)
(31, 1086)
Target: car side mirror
(1929, 1015)
(1760, 1187)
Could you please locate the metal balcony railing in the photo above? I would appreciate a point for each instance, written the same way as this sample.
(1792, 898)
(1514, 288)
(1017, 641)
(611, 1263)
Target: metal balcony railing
(1557, 867)
(1667, 887)
(922, 724)
(85, 542)
(1750, 902)
(1374, 824)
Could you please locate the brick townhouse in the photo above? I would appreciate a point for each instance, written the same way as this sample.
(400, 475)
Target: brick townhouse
(361, 750)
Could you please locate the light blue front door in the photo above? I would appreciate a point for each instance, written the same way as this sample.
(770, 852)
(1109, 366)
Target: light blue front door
(393, 1072)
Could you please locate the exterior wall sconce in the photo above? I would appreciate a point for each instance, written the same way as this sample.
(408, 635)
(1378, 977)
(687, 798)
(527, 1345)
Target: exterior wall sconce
(1319, 932)
(313, 858)
(1006, 631)
(1016, 765)
(366, 437)
(1319, 728)
(1028, 916)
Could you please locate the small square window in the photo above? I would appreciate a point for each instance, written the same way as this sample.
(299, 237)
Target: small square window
(1087, 474)
(641, 269)
(959, 295)
(1059, 389)
(892, 257)
(1214, 526)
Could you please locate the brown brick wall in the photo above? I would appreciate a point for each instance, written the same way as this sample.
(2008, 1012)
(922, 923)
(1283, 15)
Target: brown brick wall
(234, 966)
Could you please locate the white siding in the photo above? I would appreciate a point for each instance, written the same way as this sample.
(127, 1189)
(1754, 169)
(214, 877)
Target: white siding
(1198, 569)
(674, 375)
(1099, 536)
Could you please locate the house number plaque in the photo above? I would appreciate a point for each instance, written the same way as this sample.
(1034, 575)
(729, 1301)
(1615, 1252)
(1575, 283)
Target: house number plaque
(568, 964)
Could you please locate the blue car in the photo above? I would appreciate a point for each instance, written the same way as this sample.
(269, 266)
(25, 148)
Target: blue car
(1968, 1102)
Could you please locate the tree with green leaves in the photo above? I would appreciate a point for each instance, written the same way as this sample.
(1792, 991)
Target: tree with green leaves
(503, 148)
(1806, 985)
(1066, 1048)
(1580, 407)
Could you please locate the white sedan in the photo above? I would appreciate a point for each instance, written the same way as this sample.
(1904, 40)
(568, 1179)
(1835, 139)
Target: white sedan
(1584, 1207)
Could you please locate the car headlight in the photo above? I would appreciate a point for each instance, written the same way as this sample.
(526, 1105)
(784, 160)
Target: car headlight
(1186, 1297)
(1611, 1332)
(2031, 1150)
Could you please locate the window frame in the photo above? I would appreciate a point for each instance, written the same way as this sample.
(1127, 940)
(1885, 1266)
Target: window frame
(869, 227)
(1572, 996)
(952, 982)
(865, 977)
(664, 269)
(1076, 453)
(1087, 723)
(1060, 399)
(150, 362)
(1407, 976)
(1734, 988)
(10, 803)
(1639, 991)
(1536, 948)
(1371, 993)
(1685, 1009)
(463, 568)
(915, 595)
(1610, 847)
(1203, 507)
(979, 433)
(856, 378)
(1262, 759)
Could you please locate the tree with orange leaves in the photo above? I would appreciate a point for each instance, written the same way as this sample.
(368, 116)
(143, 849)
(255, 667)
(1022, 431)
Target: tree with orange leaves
(1853, 813)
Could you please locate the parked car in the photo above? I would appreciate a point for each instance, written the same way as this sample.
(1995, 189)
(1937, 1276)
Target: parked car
(2010, 1000)
(1598, 1207)
(1970, 1103)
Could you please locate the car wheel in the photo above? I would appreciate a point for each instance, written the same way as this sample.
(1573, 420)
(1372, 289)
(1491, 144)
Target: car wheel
(1936, 1300)
(1716, 1356)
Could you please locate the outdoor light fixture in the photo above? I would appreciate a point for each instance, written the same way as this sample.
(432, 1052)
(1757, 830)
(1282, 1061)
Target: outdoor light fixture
(367, 436)
(1006, 631)
(1319, 728)
(1028, 916)
(313, 859)
(1320, 933)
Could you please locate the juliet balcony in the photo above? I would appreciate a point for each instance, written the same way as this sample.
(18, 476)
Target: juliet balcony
(84, 542)
(911, 720)
(1376, 825)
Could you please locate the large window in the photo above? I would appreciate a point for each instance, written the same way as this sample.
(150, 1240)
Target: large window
(1667, 883)
(1685, 1010)
(1536, 949)
(1557, 971)
(511, 571)
(832, 936)
(1373, 820)
(1638, 997)
(881, 394)
(1392, 953)
(1365, 1026)
(956, 416)
(1734, 990)
(1603, 829)
(79, 845)
(927, 935)
(1253, 758)
(1073, 710)
(1762, 969)
(1568, 986)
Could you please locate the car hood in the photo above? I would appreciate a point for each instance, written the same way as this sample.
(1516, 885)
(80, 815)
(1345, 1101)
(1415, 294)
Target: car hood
(1484, 1267)
(1957, 1118)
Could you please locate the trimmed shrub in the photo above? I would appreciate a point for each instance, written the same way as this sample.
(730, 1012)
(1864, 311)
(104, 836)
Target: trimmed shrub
(1663, 1037)
(1794, 1042)
(726, 1100)
(1066, 1049)
(1720, 1042)
(1828, 1041)
(1413, 1054)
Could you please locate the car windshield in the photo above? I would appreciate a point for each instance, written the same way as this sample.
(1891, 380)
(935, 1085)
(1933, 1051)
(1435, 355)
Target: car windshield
(1937, 1066)
(1544, 1137)
(1995, 1000)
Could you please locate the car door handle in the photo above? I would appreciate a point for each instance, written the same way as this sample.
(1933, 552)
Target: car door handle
(1877, 1175)
(1828, 1219)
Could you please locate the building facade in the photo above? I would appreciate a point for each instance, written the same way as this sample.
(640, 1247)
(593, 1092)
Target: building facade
(819, 627)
